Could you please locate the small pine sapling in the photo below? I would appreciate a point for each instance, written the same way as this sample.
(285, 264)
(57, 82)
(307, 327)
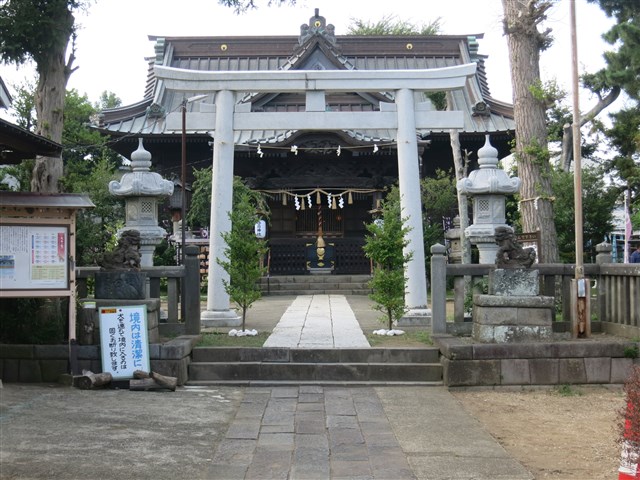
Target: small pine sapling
(244, 252)
(385, 246)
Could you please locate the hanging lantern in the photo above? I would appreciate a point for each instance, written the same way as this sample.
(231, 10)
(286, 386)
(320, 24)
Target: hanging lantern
(260, 229)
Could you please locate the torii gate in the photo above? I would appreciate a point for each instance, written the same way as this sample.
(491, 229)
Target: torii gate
(226, 117)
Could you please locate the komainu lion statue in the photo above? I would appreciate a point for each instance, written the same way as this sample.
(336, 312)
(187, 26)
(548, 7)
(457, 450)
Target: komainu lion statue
(126, 255)
(511, 254)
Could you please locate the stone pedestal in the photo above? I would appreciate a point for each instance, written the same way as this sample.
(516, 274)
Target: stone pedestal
(118, 285)
(153, 314)
(513, 311)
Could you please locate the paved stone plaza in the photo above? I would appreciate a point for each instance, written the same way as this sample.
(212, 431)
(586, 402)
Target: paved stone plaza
(294, 432)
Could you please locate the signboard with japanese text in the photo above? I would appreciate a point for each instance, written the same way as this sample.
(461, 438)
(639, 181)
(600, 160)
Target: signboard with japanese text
(123, 340)
(34, 257)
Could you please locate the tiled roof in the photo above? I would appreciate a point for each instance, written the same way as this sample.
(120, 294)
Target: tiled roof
(309, 52)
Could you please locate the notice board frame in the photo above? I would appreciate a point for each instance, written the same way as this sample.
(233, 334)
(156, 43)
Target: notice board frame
(26, 249)
(58, 210)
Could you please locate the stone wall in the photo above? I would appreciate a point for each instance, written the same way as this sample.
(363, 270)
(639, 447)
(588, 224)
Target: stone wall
(45, 363)
(537, 363)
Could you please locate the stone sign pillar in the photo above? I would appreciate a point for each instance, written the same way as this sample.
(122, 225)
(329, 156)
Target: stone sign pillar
(488, 186)
(142, 189)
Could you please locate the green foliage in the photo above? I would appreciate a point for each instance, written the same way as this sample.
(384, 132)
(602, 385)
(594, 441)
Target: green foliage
(81, 144)
(95, 227)
(567, 390)
(199, 213)
(623, 62)
(384, 246)
(37, 321)
(35, 29)
(21, 172)
(547, 93)
(24, 105)
(391, 25)
(164, 254)
(439, 203)
(598, 203)
(241, 6)
(631, 351)
(243, 251)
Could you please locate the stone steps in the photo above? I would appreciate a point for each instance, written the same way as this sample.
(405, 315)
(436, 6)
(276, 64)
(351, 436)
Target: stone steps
(299, 366)
(316, 284)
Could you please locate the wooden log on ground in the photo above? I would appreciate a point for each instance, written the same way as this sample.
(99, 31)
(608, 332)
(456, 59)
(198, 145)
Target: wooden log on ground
(145, 385)
(167, 382)
(89, 380)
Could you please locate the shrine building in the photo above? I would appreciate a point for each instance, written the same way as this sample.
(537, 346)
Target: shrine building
(325, 147)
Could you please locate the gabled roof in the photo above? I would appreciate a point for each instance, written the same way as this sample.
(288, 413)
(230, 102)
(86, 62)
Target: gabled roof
(17, 144)
(317, 47)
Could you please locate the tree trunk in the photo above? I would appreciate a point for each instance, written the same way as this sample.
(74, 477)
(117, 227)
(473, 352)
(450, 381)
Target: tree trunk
(54, 71)
(532, 155)
(463, 202)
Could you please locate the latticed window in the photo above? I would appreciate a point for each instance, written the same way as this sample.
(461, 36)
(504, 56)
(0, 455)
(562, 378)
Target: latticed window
(146, 207)
(307, 221)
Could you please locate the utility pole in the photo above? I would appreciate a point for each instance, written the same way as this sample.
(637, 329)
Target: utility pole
(580, 288)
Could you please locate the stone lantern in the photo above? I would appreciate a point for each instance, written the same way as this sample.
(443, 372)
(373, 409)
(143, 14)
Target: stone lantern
(454, 238)
(142, 189)
(488, 186)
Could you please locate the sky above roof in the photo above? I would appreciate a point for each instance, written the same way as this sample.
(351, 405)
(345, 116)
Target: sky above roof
(113, 38)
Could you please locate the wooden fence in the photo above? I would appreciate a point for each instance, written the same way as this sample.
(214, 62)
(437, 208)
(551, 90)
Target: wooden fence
(615, 300)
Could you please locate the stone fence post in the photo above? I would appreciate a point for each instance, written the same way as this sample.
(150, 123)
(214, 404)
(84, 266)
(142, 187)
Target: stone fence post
(604, 253)
(438, 289)
(191, 290)
(603, 256)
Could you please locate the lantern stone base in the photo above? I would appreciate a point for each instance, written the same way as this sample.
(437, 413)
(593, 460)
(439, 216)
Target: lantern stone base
(512, 319)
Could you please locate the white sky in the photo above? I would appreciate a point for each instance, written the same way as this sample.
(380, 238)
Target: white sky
(113, 39)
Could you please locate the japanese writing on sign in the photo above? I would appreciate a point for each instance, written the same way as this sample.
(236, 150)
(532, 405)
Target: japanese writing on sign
(123, 340)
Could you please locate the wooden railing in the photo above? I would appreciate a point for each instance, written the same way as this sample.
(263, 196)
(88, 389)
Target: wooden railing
(615, 300)
(183, 289)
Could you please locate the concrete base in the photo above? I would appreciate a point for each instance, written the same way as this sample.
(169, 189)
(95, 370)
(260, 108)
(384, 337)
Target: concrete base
(220, 318)
(512, 319)
(416, 317)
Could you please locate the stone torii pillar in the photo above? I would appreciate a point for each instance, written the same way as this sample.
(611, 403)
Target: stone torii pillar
(227, 117)
(218, 312)
(409, 183)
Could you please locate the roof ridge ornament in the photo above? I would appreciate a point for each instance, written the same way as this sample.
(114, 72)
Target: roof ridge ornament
(317, 26)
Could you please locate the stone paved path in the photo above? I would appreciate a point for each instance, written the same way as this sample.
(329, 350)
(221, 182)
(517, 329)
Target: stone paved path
(318, 321)
(310, 432)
